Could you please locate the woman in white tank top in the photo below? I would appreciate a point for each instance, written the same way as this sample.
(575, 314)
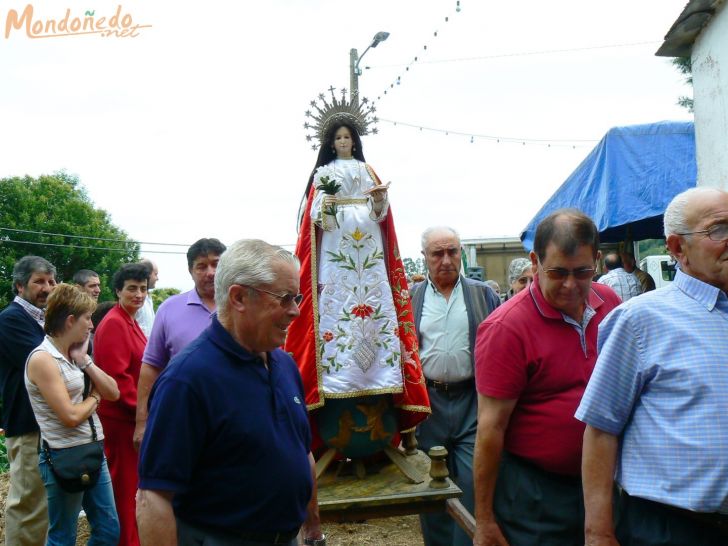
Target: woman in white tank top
(54, 378)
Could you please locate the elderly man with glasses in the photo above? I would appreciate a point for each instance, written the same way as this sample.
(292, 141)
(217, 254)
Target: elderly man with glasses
(226, 456)
(533, 359)
(657, 402)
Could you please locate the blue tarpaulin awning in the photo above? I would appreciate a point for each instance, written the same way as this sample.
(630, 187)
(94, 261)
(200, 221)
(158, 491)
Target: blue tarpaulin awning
(627, 181)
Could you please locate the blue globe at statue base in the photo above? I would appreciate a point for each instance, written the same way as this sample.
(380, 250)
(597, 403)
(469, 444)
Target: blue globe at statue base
(357, 427)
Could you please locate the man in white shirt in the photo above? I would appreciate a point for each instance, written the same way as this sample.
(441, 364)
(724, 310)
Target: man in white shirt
(145, 315)
(626, 285)
(448, 308)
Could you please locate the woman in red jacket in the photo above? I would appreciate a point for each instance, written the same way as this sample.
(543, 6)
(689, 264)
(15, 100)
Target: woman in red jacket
(118, 349)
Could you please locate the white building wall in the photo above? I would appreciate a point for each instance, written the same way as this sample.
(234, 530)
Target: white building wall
(710, 84)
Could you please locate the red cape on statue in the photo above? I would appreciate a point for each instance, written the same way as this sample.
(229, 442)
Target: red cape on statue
(412, 404)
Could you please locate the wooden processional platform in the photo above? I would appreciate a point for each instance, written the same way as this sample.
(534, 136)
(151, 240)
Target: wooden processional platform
(404, 484)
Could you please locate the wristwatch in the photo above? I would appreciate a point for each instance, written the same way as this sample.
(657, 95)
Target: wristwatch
(85, 365)
(315, 541)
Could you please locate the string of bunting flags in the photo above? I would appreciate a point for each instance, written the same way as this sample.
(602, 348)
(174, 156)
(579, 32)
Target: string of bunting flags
(416, 58)
(549, 143)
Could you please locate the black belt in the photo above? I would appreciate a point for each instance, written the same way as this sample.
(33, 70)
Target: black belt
(272, 538)
(454, 387)
(714, 520)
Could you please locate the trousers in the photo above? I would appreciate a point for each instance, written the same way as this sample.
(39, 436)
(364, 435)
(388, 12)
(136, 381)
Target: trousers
(26, 508)
(123, 461)
(534, 507)
(453, 424)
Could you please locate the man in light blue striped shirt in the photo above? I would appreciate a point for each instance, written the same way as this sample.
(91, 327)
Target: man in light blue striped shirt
(657, 403)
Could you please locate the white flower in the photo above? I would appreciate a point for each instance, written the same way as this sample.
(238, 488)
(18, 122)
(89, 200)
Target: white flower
(325, 170)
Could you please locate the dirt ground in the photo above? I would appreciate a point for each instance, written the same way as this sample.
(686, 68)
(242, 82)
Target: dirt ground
(400, 531)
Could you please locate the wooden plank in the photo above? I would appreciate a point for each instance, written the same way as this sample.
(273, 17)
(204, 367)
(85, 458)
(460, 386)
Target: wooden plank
(378, 512)
(462, 517)
(384, 485)
(323, 463)
(401, 462)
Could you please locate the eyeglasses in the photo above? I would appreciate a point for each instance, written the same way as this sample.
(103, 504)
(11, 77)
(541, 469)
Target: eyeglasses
(717, 233)
(561, 274)
(524, 280)
(285, 299)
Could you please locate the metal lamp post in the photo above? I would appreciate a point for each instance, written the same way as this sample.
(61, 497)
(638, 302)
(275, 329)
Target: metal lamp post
(355, 71)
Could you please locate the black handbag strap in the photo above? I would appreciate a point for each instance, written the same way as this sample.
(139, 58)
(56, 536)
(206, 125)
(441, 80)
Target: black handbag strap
(86, 389)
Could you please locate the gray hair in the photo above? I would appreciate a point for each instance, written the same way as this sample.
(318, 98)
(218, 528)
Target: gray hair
(82, 276)
(248, 262)
(516, 269)
(674, 219)
(26, 266)
(430, 230)
(493, 285)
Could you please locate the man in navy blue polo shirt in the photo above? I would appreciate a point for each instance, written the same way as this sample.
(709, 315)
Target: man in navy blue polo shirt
(226, 454)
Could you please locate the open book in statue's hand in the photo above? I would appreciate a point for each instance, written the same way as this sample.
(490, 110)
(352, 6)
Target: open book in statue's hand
(377, 192)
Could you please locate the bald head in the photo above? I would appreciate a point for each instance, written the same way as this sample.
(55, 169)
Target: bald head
(567, 230)
(687, 208)
(696, 226)
(153, 272)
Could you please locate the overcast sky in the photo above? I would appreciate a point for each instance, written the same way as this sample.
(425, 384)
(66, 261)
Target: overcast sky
(194, 128)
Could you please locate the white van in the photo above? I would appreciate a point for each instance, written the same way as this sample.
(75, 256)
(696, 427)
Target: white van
(661, 268)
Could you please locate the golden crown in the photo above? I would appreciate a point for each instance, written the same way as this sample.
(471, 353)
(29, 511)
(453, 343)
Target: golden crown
(326, 114)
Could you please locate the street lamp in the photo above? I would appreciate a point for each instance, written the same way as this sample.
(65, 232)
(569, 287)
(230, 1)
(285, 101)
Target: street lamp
(355, 71)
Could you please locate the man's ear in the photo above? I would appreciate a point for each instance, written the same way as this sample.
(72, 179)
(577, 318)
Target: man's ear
(534, 261)
(676, 246)
(238, 297)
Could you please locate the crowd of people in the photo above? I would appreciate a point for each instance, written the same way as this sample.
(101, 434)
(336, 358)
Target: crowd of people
(573, 412)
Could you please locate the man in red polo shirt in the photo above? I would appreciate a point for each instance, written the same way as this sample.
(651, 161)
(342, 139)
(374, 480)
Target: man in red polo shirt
(533, 359)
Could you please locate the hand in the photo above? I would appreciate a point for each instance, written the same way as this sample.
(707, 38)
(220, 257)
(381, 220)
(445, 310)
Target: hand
(329, 200)
(488, 534)
(139, 429)
(311, 532)
(79, 352)
(378, 193)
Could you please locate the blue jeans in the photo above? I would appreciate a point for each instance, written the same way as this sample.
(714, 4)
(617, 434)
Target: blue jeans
(64, 507)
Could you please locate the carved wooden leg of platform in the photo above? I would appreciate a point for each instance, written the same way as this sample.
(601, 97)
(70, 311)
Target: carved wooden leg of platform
(438, 467)
(404, 466)
(360, 470)
(324, 461)
(409, 443)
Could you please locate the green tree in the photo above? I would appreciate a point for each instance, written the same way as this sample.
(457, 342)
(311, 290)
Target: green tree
(33, 208)
(161, 294)
(685, 66)
(652, 247)
(413, 267)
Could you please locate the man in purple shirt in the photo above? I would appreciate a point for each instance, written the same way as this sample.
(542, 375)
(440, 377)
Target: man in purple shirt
(179, 320)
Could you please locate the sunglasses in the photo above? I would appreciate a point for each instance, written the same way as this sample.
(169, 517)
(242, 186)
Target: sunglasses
(561, 274)
(284, 299)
